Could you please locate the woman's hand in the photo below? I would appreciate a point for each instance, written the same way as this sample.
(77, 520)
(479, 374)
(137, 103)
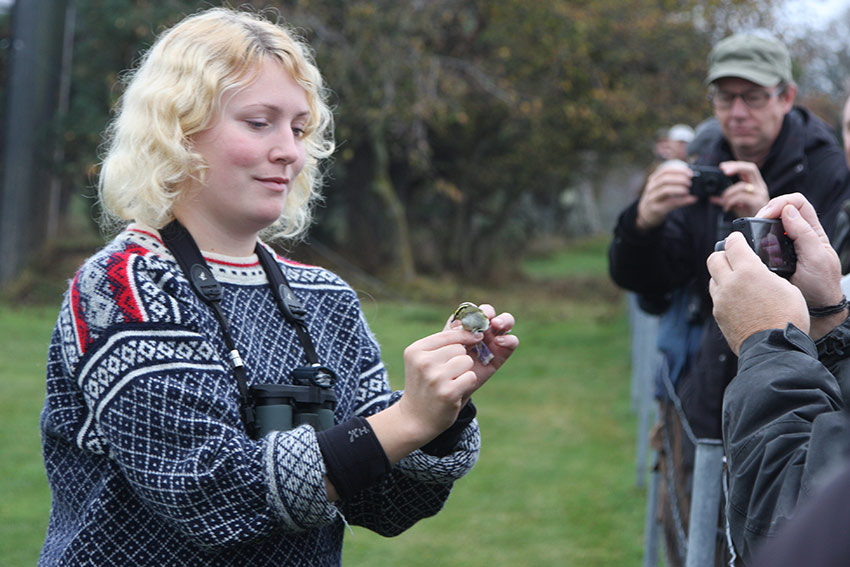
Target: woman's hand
(497, 338)
(440, 375)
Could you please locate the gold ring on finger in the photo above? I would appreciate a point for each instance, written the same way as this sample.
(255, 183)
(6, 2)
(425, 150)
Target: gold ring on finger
(749, 188)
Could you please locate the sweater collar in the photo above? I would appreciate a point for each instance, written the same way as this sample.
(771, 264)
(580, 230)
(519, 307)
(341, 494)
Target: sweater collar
(226, 269)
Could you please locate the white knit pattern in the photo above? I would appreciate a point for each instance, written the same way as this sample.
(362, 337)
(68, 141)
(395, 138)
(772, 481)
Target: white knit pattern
(144, 448)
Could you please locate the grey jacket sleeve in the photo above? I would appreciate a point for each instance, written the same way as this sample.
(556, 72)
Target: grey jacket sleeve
(784, 426)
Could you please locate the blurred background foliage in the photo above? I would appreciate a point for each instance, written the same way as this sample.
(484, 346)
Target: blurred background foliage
(467, 129)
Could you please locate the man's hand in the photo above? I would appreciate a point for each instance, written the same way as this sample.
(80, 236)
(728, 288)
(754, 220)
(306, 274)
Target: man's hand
(748, 297)
(746, 196)
(818, 273)
(667, 188)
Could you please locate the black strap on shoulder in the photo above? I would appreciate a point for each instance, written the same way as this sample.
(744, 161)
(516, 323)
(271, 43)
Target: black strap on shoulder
(188, 255)
(184, 248)
(181, 244)
(289, 304)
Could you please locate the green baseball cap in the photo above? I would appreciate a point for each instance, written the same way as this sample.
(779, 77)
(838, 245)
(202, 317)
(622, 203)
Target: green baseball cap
(762, 59)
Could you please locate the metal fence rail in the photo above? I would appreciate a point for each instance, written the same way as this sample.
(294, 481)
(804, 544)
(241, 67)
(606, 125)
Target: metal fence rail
(697, 542)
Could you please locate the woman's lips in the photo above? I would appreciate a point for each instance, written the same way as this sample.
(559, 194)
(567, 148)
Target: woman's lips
(274, 183)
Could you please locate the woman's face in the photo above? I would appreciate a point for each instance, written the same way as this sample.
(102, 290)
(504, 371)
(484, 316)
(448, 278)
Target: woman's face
(254, 151)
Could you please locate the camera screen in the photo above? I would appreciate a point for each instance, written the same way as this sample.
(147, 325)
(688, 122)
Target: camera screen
(770, 243)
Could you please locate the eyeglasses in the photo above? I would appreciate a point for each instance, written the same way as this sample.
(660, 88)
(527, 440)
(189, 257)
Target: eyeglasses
(753, 98)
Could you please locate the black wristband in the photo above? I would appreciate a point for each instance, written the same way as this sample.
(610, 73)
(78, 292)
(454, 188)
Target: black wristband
(445, 442)
(353, 456)
(829, 309)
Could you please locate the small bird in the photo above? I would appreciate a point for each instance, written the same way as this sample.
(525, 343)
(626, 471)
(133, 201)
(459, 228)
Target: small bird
(471, 317)
(475, 321)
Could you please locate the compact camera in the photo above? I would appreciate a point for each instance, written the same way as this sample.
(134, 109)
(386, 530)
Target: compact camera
(709, 181)
(768, 240)
(310, 399)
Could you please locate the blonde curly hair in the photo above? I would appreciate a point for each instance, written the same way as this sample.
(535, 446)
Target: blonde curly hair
(176, 91)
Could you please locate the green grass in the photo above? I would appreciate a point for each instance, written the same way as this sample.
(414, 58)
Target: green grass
(24, 496)
(582, 258)
(555, 481)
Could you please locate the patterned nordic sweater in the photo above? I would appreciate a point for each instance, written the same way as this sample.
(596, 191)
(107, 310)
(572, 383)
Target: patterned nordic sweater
(146, 456)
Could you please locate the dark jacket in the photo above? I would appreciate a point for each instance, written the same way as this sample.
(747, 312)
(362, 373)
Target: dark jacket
(817, 535)
(786, 428)
(805, 158)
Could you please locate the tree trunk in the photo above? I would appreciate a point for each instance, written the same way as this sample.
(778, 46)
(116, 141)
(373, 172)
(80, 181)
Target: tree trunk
(382, 185)
(36, 61)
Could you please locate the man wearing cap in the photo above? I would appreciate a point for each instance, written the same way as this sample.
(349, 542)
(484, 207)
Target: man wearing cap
(766, 146)
(769, 147)
(787, 424)
(786, 420)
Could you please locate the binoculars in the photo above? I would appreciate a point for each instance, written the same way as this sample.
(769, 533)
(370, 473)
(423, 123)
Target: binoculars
(310, 399)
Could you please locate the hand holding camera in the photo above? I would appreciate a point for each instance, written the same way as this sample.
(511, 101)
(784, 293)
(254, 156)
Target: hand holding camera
(769, 241)
(743, 189)
(818, 273)
(734, 185)
(666, 189)
(747, 298)
(709, 181)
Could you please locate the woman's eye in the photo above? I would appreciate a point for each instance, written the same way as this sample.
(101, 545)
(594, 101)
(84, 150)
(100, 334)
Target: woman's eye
(256, 124)
(299, 132)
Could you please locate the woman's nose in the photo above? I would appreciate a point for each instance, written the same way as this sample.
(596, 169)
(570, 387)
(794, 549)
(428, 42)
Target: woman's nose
(285, 148)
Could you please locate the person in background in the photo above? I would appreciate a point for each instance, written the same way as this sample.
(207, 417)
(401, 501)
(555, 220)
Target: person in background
(661, 145)
(786, 425)
(680, 136)
(705, 134)
(767, 146)
(153, 452)
(764, 146)
(816, 533)
(671, 143)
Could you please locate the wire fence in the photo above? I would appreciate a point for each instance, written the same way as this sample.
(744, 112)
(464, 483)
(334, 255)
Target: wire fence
(695, 534)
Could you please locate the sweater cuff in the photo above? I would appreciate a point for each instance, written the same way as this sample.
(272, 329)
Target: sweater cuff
(354, 458)
(446, 441)
(297, 489)
(429, 469)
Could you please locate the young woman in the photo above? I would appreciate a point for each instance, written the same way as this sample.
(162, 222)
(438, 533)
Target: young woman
(150, 439)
